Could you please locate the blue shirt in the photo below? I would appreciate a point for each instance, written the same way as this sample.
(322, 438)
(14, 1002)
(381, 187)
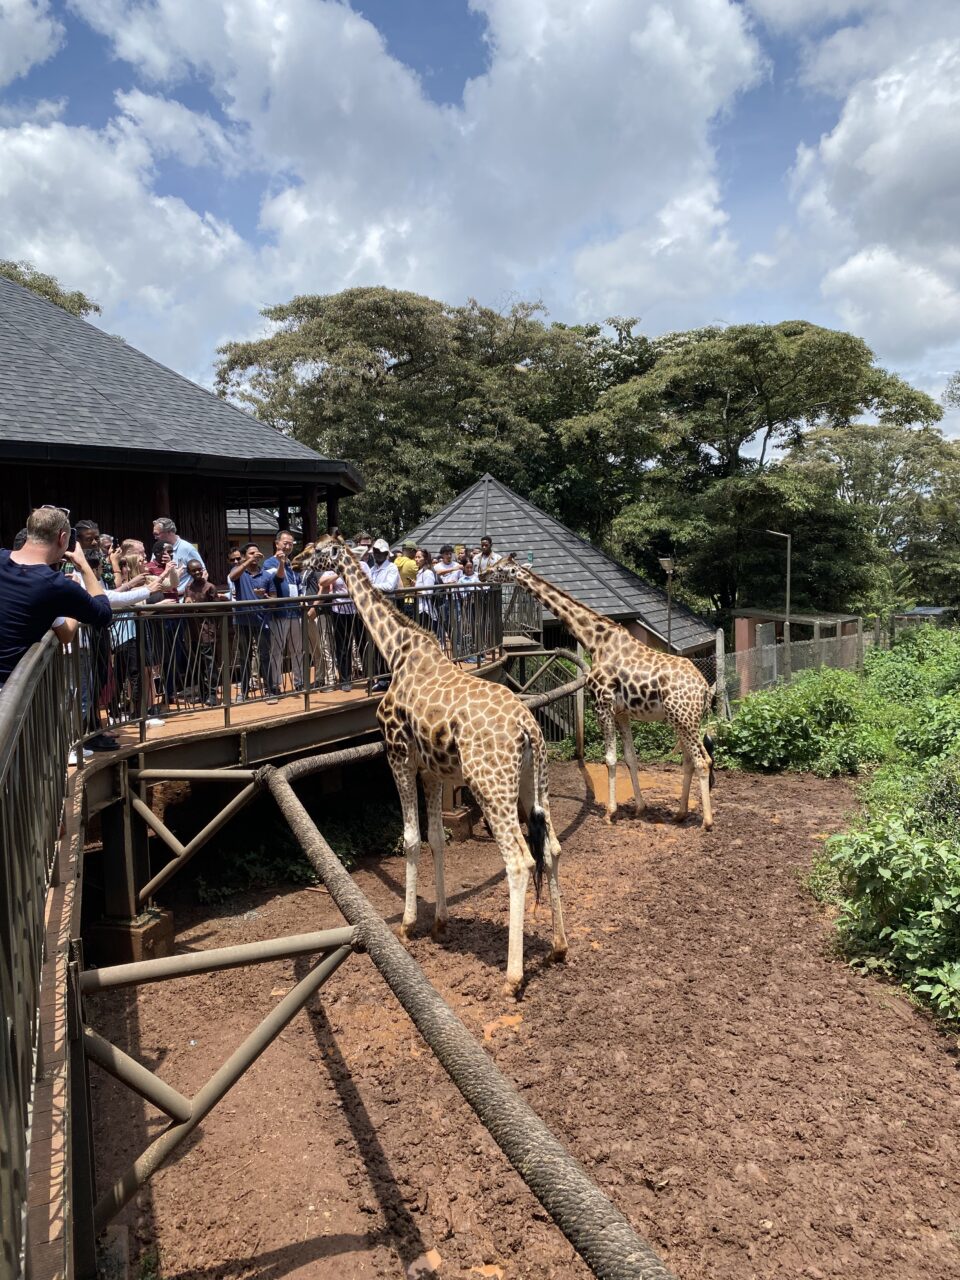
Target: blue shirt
(182, 553)
(32, 597)
(247, 585)
(288, 587)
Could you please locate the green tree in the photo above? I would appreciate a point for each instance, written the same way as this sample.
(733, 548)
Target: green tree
(889, 470)
(423, 397)
(23, 273)
(705, 421)
(726, 556)
(723, 399)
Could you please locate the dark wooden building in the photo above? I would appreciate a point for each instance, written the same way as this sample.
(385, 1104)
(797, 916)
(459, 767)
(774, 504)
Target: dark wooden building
(91, 423)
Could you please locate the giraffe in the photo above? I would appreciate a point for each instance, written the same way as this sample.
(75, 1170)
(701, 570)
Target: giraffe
(440, 723)
(629, 681)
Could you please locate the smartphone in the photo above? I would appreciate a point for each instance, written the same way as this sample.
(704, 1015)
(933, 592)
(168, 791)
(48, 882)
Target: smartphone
(72, 541)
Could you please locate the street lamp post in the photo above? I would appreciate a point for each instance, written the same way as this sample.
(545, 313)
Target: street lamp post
(786, 623)
(667, 565)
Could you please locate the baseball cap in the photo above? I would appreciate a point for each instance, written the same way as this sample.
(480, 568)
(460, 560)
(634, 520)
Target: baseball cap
(411, 544)
(381, 545)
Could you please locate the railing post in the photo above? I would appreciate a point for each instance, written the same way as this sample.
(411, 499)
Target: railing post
(139, 624)
(83, 1186)
(227, 668)
(304, 654)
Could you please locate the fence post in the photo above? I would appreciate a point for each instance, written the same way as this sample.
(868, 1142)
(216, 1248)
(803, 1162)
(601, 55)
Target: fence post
(860, 645)
(817, 646)
(720, 690)
(877, 631)
(578, 714)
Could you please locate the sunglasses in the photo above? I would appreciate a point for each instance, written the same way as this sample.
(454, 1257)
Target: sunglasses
(52, 506)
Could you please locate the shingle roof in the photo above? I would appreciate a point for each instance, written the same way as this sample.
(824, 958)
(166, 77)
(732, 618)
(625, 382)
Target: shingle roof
(584, 570)
(71, 392)
(256, 520)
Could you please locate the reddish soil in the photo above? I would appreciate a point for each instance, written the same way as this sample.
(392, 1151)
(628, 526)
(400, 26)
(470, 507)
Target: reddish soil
(754, 1107)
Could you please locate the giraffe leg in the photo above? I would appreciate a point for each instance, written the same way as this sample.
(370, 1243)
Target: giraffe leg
(693, 752)
(685, 785)
(630, 755)
(533, 793)
(609, 726)
(405, 776)
(433, 790)
(518, 861)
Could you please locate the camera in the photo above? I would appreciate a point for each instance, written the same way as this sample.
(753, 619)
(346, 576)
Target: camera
(72, 540)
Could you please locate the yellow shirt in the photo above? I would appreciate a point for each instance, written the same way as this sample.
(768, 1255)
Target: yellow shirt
(407, 569)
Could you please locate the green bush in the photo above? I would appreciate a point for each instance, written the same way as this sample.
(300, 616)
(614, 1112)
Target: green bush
(901, 913)
(797, 725)
(934, 731)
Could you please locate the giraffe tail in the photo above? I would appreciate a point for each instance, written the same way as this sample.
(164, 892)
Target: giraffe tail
(537, 842)
(536, 818)
(708, 748)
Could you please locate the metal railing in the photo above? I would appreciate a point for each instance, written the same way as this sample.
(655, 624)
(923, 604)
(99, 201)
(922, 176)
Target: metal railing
(522, 612)
(172, 658)
(37, 725)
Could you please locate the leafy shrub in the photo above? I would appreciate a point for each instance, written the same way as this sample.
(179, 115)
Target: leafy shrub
(901, 913)
(793, 726)
(934, 730)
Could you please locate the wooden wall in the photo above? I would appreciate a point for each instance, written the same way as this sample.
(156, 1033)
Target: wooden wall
(122, 503)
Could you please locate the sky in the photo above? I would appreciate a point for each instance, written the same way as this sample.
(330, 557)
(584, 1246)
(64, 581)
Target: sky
(686, 162)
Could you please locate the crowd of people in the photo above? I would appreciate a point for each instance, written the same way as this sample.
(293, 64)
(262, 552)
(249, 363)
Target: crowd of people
(284, 627)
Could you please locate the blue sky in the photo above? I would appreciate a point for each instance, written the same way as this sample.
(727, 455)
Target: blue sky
(688, 163)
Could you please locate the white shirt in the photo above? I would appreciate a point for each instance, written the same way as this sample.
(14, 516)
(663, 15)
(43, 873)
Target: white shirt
(386, 576)
(487, 562)
(447, 574)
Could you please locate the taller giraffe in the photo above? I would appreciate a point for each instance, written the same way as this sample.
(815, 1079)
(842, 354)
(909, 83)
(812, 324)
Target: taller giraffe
(629, 681)
(440, 723)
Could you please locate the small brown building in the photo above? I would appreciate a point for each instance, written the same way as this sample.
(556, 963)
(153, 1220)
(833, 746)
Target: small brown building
(91, 423)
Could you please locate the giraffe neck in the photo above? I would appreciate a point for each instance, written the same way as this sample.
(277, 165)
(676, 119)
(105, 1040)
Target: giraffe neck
(584, 624)
(380, 618)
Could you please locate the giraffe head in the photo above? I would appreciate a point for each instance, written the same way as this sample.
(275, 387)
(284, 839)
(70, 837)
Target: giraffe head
(506, 569)
(324, 555)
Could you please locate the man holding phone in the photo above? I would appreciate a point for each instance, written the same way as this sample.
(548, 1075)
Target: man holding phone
(33, 595)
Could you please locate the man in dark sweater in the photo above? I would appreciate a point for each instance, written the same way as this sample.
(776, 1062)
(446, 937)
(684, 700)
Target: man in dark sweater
(34, 595)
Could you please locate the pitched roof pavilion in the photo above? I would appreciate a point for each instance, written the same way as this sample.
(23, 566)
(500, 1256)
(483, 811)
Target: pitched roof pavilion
(70, 393)
(567, 560)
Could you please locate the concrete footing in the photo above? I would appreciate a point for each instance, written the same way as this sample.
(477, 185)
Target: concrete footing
(146, 937)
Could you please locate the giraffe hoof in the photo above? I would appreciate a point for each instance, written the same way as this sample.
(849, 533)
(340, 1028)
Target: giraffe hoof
(405, 932)
(681, 818)
(439, 930)
(708, 826)
(608, 819)
(512, 989)
(559, 954)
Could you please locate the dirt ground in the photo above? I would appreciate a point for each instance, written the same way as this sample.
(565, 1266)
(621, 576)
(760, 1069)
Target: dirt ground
(754, 1107)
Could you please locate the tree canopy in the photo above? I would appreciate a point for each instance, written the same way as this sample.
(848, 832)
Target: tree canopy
(691, 443)
(23, 273)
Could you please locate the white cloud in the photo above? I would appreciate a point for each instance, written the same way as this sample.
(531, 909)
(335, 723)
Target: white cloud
(40, 112)
(791, 15)
(28, 35)
(79, 204)
(171, 129)
(902, 305)
(584, 148)
(879, 196)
